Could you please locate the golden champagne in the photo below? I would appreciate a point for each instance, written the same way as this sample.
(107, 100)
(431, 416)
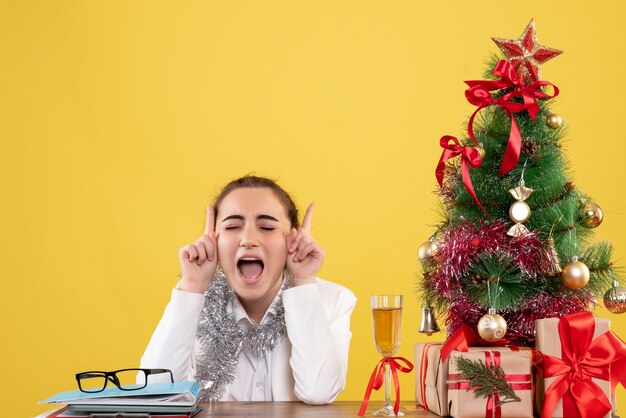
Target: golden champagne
(387, 327)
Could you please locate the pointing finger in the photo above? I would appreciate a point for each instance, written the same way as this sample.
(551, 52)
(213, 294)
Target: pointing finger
(208, 243)
(296, 241)
(306, 222)
(304, 250)
(202, 256)
(213, 239)
(210, 220)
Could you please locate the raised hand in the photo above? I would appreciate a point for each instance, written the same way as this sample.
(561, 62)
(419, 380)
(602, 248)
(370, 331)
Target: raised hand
(305, 256)
(198, 260)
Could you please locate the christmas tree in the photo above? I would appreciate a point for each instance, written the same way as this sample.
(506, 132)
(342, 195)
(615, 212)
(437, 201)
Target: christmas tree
(515, 243)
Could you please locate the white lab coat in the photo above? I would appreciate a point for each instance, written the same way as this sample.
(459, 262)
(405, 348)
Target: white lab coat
(310, 365)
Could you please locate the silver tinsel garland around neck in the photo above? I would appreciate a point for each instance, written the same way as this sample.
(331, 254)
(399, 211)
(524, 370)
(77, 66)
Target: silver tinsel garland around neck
(221, 340)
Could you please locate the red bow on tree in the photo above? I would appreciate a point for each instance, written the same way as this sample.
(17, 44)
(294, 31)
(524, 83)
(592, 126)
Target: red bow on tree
(469, 156)
(479, 94)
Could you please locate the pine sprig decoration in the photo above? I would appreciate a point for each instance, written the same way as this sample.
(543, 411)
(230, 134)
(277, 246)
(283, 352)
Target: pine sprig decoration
(495, 281)
(485, 381)
(597, 257)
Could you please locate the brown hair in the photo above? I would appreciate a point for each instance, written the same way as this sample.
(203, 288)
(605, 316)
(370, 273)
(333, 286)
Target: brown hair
(249, 181)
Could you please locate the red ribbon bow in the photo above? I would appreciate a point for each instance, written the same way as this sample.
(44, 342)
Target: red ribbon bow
(461, 340)
(469, 156)
(581, 360)
(378, 377)
(479, 94)
(618, 373)
(464, 338)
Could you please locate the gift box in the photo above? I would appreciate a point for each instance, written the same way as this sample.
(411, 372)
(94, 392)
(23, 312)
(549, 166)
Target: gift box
(431, 390)
(431, 374)
(575, 376)
(499, 384)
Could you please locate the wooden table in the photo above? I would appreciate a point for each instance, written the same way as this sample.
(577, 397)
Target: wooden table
(295, 410)
(299, 409)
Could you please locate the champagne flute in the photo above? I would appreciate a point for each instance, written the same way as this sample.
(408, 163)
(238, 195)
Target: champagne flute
(387, 321)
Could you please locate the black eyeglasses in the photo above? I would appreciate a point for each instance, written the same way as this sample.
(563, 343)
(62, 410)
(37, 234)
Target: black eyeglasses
(96, 381)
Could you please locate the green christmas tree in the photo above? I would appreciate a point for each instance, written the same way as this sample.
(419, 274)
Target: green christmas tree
(515, 242)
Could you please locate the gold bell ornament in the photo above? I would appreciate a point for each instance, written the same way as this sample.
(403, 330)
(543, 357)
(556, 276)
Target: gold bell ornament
(554, 264)
(428, 325)
(492, 327)
(615, 298)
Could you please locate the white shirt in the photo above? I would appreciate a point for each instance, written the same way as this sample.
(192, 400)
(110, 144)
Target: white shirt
(310, 364)
(252, 376)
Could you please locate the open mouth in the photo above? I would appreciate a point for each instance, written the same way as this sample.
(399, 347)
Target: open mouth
(250, 268)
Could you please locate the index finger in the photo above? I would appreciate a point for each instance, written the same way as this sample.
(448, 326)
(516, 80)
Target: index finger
(306, 222)
(210, 220)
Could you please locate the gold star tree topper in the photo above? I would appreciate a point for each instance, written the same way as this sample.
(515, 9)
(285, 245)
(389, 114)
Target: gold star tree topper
(525, 53)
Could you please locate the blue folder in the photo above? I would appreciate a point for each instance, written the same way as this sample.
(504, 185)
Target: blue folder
(154, 394)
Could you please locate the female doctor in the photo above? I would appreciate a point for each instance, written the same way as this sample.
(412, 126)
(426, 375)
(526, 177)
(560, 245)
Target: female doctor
(249, 319)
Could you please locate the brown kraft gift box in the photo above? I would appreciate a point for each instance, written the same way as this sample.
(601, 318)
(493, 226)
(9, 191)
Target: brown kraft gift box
(517, 366)
(431, 376)
(431, 373)
(548, 342)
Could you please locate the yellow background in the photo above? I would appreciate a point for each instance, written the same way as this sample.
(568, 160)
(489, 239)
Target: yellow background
(120, 120)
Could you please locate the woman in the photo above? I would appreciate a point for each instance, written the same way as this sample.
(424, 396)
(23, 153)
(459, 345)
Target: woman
(249, 318)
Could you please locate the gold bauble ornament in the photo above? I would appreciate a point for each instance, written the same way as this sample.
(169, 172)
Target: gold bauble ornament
(481, 151)
(425, 251)
(492, 327)
(615, 298)
(519, 212)
(575, 274)
(591, 215)
(554, 121)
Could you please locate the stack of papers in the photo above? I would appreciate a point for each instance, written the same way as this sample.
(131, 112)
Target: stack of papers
(177, 399)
